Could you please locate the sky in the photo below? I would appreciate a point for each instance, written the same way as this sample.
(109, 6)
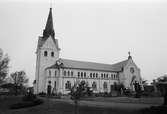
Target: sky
(89, 30)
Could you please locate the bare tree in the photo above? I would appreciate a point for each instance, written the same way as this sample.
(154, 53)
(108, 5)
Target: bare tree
(4, 62)
(20, 79)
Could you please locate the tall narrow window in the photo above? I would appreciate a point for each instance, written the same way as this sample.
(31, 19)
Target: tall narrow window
(49, 73)
(81, 74)
(96, 75)
(111, 76)
(52, 54)
(68, 73)
(64, 73)
(105, 85)
(71, 73)
(117, 76)
(45, 53)
(106, 75)
(55, 73)
(90, 75)
(101, 75)
(93, 75)
(78, 74)
(94, 86)
(85, 74)
(55, 85)
(68, 85)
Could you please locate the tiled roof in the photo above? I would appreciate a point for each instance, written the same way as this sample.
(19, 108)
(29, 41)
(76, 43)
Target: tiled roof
(66, 63)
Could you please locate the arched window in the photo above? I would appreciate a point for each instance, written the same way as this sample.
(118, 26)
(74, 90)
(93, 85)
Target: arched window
(68, 73)
(106, 75)
(105, 85)
(101, 75)
(94, 86)
(78, 74)
(81, 74)
(96, 75)
(68, 85)
(85, 74)
(116, 76)
(45, 53)
(111, 76)
(52, 54)
(64, 73)
(71, 73)
(90, 75)
(93, 75)
(55, 85)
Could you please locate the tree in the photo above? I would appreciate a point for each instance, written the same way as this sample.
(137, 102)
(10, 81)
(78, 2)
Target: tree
(137, 90)
(162, 86)
(4, 62)
(20, 79)
(144, 82)
(79, 90)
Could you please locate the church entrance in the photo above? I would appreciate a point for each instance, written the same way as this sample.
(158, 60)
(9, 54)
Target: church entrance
(49, 89)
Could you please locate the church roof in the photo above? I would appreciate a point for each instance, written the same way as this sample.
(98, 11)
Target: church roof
(66, 63)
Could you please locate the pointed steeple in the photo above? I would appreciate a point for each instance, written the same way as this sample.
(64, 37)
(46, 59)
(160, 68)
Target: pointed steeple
(49, 30)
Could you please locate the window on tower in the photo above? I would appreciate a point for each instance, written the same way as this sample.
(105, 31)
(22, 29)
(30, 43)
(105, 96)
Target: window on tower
(52, 54)
(45, 53)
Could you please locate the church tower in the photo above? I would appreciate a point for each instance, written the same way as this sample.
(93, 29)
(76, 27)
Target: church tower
(46, 54)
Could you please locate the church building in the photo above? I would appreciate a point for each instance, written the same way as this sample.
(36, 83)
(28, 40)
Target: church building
(61, 74)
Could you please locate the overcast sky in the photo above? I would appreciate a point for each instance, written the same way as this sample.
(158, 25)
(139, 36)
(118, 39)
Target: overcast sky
(88, 30)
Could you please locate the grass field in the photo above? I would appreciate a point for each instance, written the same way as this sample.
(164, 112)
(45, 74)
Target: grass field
(54, 106)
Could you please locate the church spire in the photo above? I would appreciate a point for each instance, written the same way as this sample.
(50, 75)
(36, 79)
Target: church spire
(49, 30)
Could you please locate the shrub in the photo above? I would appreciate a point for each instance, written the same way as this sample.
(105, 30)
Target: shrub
(28, 100)
(155, 110)
(42, 94)
(25, 104)
(29, 97)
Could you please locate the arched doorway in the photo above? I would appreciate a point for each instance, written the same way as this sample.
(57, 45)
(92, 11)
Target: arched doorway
(49, 88)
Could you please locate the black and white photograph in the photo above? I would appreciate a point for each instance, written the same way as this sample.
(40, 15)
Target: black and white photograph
(83, 56)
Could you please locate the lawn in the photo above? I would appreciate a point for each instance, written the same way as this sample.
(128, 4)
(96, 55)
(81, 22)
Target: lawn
(153, 100)
(51, 106)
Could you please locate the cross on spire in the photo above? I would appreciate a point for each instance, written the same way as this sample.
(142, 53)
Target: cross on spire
(129, 57)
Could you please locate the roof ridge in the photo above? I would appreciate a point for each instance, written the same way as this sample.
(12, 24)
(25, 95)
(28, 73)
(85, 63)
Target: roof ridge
(85, 61)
